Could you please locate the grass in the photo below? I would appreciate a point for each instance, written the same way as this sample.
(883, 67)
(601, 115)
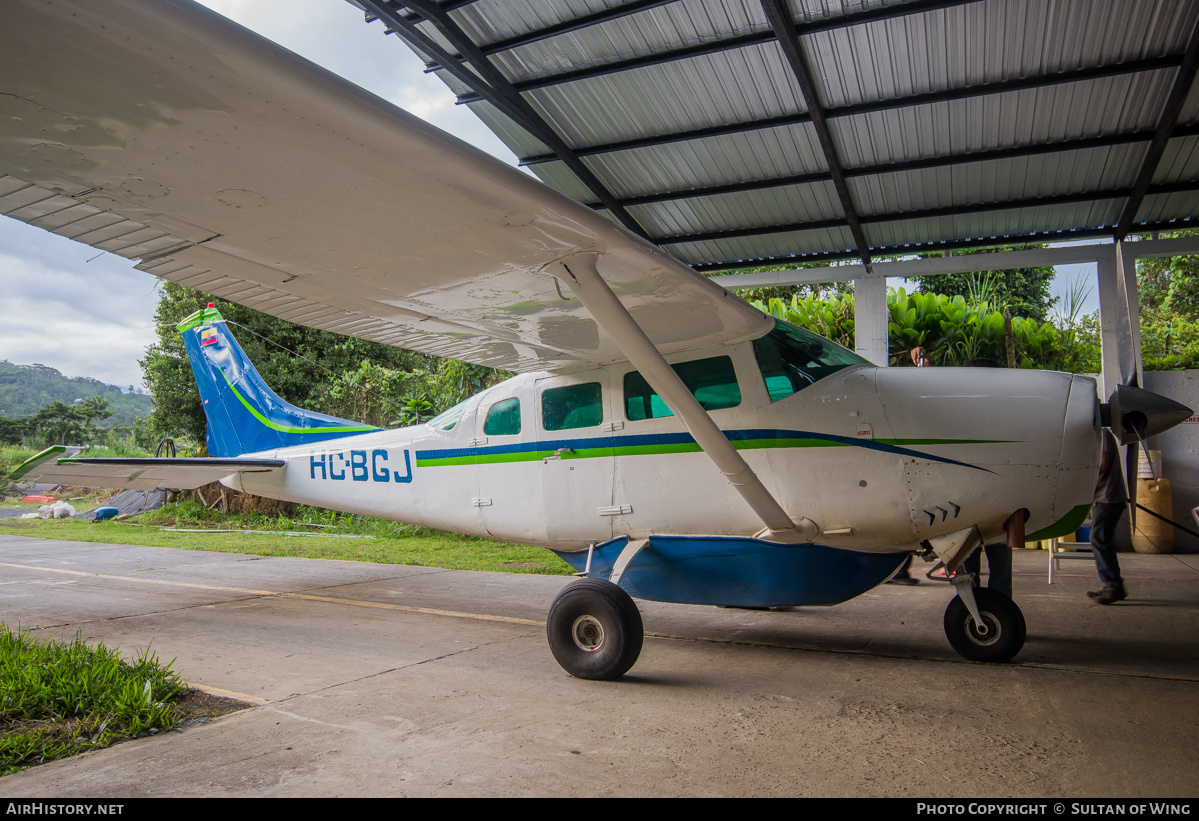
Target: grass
(384, 541)
(60, 699)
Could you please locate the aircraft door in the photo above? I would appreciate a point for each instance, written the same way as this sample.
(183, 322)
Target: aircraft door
(509, 472)
(573, 418)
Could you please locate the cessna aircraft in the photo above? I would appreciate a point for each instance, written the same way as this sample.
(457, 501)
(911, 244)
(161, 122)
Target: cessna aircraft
(667, 439)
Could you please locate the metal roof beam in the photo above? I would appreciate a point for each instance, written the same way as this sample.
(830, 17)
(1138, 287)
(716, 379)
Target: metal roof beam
(684, 52)
(1178, 94)
(784, 28)
(1068, 235)
(446, 5)
(495, 87)
(930, 213)
(906, 101)
(852, 172)
(567, 26)
(643, 61)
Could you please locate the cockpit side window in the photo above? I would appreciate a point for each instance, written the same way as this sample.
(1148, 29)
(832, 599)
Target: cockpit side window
(712, 381)
(503, 419)
(791, 358)
(572, 406)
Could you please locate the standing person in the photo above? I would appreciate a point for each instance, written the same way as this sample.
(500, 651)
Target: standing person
(1110, 501)
(999, 567)
(904, 574)
(920, 358)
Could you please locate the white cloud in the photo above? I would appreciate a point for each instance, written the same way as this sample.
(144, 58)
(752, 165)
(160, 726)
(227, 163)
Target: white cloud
(71, 307)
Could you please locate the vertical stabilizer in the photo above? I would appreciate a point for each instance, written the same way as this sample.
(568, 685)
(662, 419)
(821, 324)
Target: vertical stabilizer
(244, 415)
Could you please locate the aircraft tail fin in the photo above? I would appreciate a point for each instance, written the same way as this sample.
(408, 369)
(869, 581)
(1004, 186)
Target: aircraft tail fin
(244, 414)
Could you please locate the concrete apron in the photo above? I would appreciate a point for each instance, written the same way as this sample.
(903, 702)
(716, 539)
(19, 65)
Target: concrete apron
(391, 680)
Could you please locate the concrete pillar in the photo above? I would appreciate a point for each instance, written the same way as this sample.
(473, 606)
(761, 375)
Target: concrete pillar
(870, 318)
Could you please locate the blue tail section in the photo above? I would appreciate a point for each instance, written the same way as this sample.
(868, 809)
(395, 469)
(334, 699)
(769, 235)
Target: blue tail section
(244, 415)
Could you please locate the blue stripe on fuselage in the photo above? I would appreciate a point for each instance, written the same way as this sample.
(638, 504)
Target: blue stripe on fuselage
(634, 440)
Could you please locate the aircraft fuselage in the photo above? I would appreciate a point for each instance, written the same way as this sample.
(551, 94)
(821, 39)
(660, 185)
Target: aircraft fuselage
(878, 458)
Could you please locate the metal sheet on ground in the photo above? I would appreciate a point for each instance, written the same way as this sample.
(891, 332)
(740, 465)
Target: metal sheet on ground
(391, 680)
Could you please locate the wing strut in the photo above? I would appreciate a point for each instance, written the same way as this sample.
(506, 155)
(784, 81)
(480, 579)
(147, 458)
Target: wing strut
(584, 279)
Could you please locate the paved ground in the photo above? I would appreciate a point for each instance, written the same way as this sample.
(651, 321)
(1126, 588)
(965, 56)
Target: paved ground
(390, 680)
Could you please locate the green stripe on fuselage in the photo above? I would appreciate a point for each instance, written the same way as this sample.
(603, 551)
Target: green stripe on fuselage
(485, 458)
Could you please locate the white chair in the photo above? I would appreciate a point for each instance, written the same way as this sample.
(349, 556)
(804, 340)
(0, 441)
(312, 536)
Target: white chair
(1059, 550)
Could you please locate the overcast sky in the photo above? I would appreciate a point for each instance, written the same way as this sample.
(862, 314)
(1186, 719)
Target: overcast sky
(89, 313)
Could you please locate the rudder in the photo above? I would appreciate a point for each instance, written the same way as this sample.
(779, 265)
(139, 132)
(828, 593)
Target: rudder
(244, 414)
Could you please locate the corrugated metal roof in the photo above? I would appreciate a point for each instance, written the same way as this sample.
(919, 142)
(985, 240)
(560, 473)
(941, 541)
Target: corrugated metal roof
(951, 122)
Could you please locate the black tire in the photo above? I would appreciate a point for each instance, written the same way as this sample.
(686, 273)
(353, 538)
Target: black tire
(1006, 629)
(594, 629)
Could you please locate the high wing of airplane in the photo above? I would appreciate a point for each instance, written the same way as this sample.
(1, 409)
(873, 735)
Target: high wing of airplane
(670, 441)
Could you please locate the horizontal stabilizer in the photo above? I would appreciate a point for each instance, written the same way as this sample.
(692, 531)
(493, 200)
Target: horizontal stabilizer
(138, 474)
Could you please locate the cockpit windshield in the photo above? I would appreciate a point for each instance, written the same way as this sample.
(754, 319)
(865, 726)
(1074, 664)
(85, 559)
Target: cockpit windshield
(447, 419)
(791, 359)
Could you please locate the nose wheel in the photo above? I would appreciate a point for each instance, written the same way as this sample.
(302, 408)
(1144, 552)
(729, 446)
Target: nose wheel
(594, 630)
(998, 633)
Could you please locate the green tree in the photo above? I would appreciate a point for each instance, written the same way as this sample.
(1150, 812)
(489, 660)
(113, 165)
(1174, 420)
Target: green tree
(12, 431)
(1021, 291)
(62, 423)
(1168, 291)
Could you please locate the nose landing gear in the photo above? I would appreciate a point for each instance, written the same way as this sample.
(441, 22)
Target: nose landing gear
(992, 630)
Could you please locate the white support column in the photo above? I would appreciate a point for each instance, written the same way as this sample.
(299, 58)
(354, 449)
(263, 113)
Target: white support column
(870, 317)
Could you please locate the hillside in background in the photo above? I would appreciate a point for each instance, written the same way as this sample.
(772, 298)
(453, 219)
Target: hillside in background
(24, 389)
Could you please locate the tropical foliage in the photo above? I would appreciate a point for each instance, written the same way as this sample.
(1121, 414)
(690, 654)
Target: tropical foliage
(954, 330)
(63, 698)
(1168, 290)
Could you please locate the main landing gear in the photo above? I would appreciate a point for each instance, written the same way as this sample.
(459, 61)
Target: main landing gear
(983, 625)
(594, 629)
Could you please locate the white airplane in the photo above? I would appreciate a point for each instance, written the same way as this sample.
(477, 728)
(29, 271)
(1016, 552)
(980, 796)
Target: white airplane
(665, 438)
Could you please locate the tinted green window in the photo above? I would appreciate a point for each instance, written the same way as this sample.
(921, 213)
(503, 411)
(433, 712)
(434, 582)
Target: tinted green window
(575, 406)
(447, 419)
(791, 359)
(712, 381)
(503, 419)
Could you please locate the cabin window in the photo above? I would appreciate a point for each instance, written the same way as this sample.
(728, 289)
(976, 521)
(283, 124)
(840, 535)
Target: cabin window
(712, 381)
(573, 406)
(503, 419)
(447, 419)
(791, 359)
